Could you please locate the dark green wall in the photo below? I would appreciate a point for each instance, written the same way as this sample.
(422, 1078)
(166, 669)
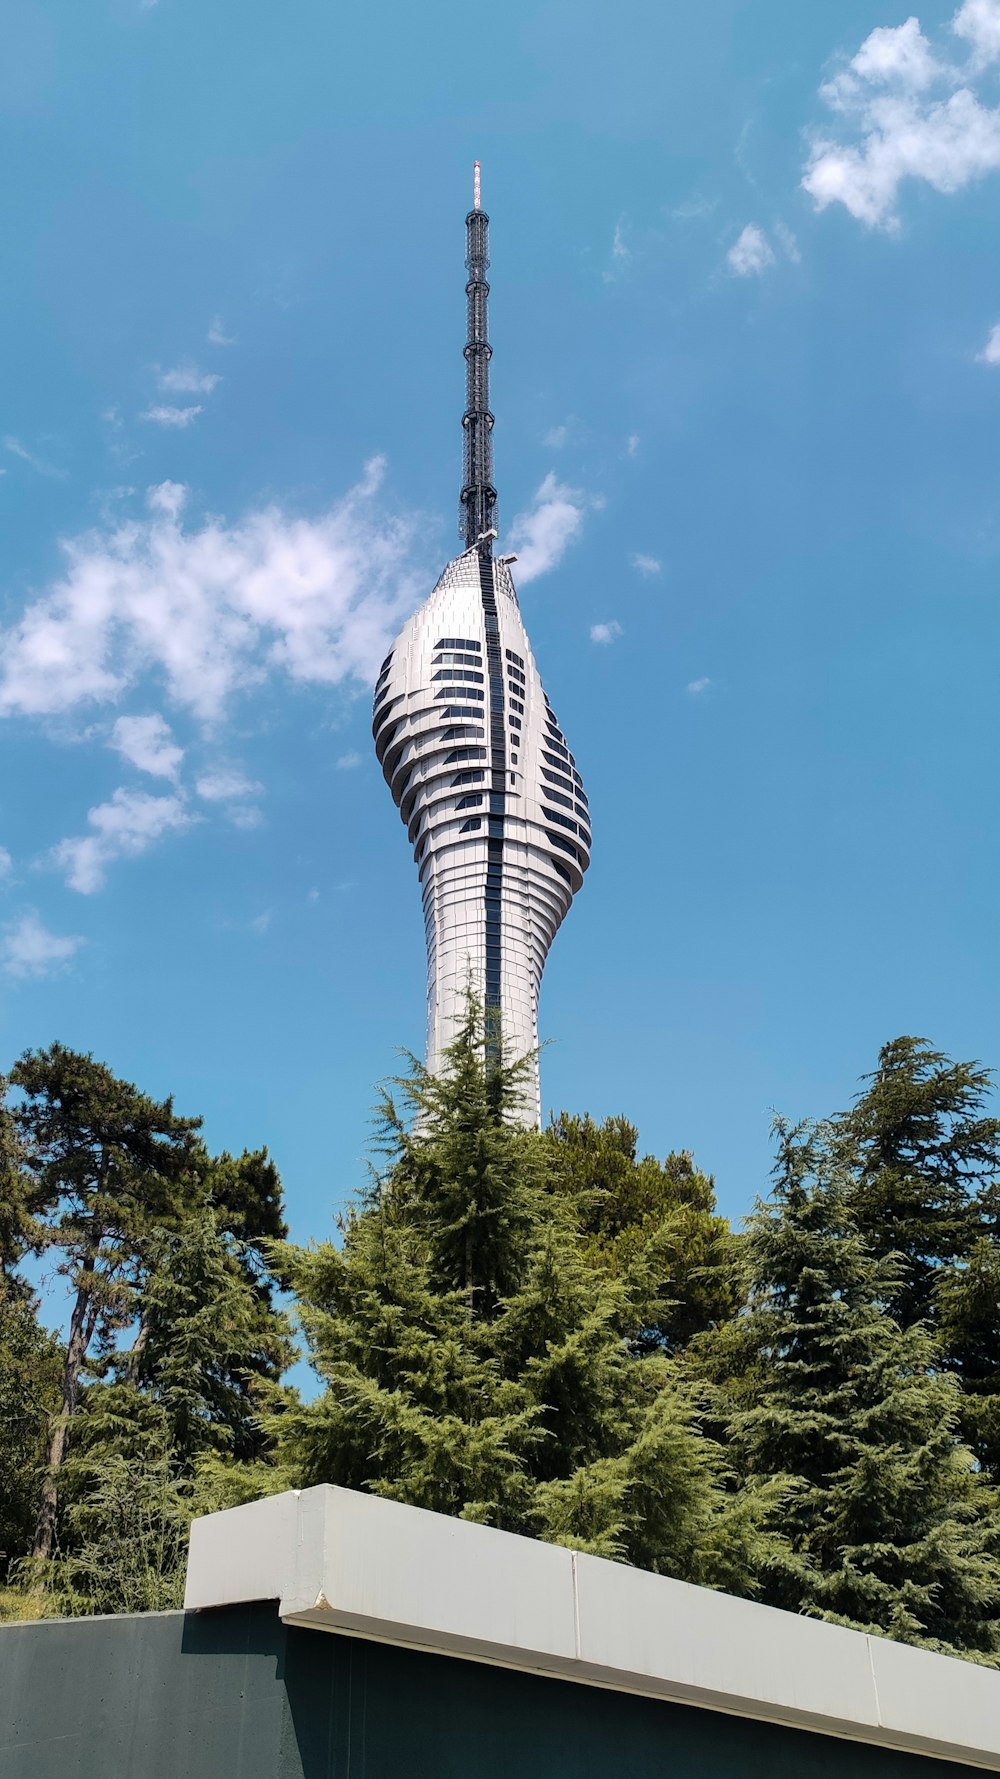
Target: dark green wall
(234, 1695)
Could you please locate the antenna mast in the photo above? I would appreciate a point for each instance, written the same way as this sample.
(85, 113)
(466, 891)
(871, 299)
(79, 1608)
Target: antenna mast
(479, 496)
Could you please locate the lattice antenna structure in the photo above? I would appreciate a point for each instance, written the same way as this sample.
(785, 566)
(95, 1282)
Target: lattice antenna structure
(478, 519)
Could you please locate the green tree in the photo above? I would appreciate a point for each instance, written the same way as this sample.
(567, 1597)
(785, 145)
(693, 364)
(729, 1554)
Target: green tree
(31, 1365)
(478, 1362)
(891, 1526)
(106, 1165)
(920, 1148)
(650, 1222)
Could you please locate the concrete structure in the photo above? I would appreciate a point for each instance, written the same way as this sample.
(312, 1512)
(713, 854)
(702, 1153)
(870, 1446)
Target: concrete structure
(476, 761)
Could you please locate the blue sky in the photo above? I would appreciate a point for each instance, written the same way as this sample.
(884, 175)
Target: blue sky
(745, 287)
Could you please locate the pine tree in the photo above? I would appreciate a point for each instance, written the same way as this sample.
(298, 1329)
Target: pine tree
(654, 1224)
(477, 1362)
(31, 1365)
(920, 1148)
(106, 1163)
(891, 1527)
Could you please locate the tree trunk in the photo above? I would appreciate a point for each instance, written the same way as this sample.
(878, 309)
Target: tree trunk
(81, 1330)
(139, 1346)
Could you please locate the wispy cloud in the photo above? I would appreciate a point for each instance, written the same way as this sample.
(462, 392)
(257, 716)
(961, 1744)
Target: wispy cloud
(621, 255)
(751, 254)
(990, 353)
(907, 112)
(164, 414)
(697, 686)
(226, 786)
(129, 824)
(217, 608)
(542, 535)
(187, 379)
(147, 742)
(27, 948)
(788, 243)
(6, 862)
(557, 436)
(347, 762)
(646, 565)
(217, 335)
(632, 444)
(38, 464)
(605, 633)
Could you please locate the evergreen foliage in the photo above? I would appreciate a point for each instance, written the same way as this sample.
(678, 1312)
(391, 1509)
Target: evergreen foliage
(483, 1358)
(543, 1331)
(175, 1348)
(891, 1526)
(919, 1147)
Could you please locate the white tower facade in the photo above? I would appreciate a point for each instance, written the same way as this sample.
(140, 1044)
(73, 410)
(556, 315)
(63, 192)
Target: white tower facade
(477, 764)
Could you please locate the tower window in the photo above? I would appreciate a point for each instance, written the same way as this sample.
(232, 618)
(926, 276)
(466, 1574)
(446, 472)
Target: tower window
(553, 815)
(555, 778)
(509, 654)
(455, 642)
(469, 827)
(567, 845)
(468, 778)
(471, 802)
(458, 673)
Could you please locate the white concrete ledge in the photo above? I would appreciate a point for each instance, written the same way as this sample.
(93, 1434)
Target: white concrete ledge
(340, 1561)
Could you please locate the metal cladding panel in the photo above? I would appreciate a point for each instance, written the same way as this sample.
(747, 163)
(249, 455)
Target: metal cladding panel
(235, 1694)
(149, 1696)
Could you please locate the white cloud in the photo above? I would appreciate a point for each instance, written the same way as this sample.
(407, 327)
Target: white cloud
(6, 862)
(556, 436)
(124, 827)
(990, 353)
(909, 115)
(542, 535)
(29, 949)
(605, 633)
(217, 335)
(16, 449)
(632, 443)
(216, 608)
(697, 686)
(261, 923)
(978, 21)
(165, 415)
(621, 255)
(148, 743)
(225, 786)
(347, 762)
(187, 379)
(893, 55)
(646, 565)
(751, 254)
(788, 243)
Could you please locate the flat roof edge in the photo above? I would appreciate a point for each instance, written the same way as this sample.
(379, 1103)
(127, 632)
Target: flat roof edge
(354, 1564)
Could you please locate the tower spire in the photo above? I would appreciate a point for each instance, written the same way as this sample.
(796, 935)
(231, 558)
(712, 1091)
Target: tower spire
(479, 496)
